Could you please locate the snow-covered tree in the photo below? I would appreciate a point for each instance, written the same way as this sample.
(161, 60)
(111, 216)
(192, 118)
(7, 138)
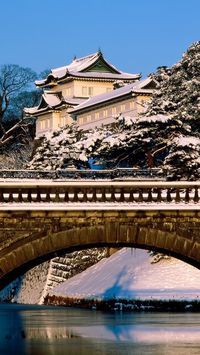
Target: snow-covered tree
(167, 136)
(179, 87)
(178, 96)
(58, 150)
(183, 159)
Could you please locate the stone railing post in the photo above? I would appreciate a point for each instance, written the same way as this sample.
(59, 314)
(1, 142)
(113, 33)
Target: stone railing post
(95, 192)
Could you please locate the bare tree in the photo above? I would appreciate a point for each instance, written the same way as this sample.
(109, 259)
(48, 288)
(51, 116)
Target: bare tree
(13, 80)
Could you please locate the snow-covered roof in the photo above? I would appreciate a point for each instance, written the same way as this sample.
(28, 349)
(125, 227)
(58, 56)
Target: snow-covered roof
(73, 100)
(139, 87)
(104, 75)
(52, 100)
(79, 66)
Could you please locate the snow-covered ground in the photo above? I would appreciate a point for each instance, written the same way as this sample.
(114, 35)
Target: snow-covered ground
(130, 274)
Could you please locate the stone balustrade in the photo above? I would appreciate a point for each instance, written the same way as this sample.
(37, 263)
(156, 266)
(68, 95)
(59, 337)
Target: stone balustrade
(43, 218)
(99, 192)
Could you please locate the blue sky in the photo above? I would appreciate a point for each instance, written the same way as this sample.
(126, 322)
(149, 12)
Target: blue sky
(134, 35)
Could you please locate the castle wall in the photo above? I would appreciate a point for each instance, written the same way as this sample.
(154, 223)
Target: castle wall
(130, 107)
(83, 88)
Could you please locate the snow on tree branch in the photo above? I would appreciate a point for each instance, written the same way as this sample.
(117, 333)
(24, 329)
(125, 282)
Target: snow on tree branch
(167, 136)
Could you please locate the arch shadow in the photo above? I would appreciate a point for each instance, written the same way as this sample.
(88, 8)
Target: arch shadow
(63, 242)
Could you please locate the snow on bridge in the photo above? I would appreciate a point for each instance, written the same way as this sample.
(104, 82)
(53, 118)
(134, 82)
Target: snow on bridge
(43, 218)
(34, 194)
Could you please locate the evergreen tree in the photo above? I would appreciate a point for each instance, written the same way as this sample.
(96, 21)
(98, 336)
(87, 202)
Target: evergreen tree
(167, 136)
(178, 89)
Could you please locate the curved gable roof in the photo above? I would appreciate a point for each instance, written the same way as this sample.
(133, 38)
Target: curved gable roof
(91, 64)
(51, 101)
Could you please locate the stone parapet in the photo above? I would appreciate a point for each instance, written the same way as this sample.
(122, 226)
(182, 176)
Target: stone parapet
(29, 237)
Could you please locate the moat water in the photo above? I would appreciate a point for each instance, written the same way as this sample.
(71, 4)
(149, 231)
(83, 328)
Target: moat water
(40, 330)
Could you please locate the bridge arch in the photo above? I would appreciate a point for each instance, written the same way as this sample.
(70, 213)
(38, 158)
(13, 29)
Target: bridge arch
(157, 231)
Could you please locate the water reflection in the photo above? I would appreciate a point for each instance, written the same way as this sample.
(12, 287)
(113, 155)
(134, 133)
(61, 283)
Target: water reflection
(47, 330)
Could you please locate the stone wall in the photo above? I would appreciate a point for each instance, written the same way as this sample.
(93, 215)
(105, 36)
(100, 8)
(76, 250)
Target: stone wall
(27, 237)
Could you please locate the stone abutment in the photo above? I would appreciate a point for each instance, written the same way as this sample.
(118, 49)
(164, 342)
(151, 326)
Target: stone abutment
(30, 237)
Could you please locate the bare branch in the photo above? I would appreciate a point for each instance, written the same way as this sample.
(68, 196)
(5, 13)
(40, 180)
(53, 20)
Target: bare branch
(10, 134)
(6, 140)
(13, 79)
(159, 150)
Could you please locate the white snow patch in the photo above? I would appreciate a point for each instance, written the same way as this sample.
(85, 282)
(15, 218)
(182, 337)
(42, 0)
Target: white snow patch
(154, 118)
(129, 274)
(187, 141)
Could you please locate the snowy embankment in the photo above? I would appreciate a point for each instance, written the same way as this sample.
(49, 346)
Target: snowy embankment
(133, 274)
(32, 287)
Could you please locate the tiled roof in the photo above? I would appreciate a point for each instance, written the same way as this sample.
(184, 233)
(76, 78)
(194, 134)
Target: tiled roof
(137, 87)
(50, 101)
(73, 100)
(77, 67)
(83, 63)
(104, 75)
(53, 100)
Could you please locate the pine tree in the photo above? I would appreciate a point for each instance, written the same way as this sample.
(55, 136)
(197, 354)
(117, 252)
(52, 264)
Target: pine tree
(179, 87)
(167, 136)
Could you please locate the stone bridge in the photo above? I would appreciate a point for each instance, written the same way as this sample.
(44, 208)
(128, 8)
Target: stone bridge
(43, 219)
